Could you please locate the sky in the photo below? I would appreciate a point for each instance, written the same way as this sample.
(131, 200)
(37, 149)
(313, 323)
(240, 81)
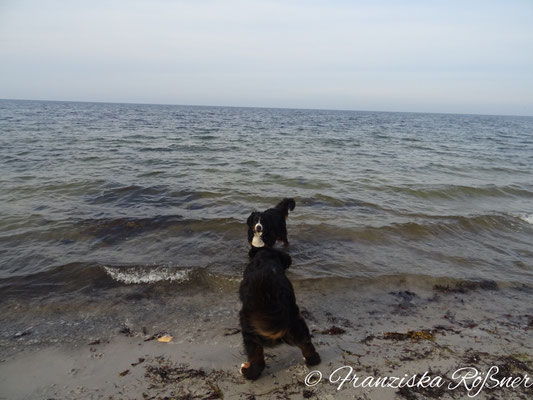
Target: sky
(423, 56)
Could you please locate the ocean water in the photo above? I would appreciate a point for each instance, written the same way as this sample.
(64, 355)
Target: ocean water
(126, 194)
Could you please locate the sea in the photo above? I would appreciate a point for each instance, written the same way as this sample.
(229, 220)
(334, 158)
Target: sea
(98, 194)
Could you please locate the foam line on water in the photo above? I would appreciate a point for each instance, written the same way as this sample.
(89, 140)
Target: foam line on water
(141, 275)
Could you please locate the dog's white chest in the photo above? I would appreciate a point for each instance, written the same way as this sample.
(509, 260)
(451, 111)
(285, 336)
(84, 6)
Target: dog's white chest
(257, 241)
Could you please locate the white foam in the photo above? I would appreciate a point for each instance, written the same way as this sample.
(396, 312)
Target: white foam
(526, 217)
(147, 275)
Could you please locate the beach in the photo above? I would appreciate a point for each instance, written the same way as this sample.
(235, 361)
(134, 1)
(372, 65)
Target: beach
(393, 330)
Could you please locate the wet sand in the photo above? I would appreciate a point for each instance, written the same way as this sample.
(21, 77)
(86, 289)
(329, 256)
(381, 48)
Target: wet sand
(395, 330)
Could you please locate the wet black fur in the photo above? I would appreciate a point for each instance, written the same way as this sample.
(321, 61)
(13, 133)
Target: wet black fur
(267, 295)
(273, 222)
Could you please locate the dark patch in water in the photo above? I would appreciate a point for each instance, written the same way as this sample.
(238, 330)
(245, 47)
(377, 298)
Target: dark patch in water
(465, 287)
(60, 280)
(113, 230)
(133, 195)
(456, 191)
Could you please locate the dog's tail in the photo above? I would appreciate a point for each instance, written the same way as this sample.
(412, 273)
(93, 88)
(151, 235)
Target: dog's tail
(285, 205)
(269, 326)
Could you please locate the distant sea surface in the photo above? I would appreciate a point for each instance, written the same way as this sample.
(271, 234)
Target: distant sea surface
(141, 194)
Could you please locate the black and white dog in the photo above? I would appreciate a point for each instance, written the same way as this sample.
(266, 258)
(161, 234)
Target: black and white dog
(265, 228)
(269, 314)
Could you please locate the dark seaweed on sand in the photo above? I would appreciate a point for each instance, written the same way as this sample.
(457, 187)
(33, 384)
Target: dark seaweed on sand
(167, 373)
(334, 330)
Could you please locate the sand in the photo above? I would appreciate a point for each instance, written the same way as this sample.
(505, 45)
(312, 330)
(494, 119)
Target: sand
(396, 329)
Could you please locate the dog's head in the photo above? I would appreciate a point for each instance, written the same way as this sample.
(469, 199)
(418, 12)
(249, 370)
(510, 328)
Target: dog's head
(255, 223)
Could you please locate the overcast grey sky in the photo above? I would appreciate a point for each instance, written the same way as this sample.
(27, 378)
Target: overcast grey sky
(436, 56)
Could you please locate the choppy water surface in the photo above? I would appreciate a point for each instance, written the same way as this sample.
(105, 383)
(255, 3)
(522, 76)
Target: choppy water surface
(143, 193)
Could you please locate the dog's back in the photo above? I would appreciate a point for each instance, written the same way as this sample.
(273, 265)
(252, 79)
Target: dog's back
(267, 295)
(280, 212)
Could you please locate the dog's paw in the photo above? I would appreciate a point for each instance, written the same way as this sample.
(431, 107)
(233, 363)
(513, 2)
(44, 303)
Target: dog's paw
(244, 367)
(312, 360)
(251, 371)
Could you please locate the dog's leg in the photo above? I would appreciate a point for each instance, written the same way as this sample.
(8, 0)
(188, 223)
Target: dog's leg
(256, 359)
(283, 236)
(310, 355)
(302, 339)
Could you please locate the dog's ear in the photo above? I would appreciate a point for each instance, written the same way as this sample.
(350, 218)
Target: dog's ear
(286, 260)
(250, 219)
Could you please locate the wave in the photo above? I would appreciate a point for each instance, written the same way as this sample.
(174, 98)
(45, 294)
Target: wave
(458, 191)
(92, 279)
(525, 217)
(117, 229)
(381, 227)
(111, 229)
(157, 196)
(141, 274)
(419, 226)
(324, 200)
(296, 182)
(88, 278)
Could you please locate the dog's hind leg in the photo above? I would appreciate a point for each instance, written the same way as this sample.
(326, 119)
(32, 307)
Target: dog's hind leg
(310, 355)
(302, 339)
(256, 359)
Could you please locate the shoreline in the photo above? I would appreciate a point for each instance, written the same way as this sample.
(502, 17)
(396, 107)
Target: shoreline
(379, 332)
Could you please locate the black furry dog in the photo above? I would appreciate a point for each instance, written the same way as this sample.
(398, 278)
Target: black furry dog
(264, 228)
(269, 314)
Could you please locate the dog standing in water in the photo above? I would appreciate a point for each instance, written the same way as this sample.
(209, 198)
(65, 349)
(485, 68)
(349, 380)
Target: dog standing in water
(265, 228)
(269, 314)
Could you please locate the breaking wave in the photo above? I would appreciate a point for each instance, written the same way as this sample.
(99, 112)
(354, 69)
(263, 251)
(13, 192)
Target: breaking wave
(526, 217)
(147, 274)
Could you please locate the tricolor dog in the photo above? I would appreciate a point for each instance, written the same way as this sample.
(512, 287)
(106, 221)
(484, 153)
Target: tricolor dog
(269, 314)
(265, 228)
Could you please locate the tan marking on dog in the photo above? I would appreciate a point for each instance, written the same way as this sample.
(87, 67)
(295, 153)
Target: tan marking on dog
(262, 328)
(272, 335)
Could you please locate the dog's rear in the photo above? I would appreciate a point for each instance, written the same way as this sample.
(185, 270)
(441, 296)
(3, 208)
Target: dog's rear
(264, 311)
(285, 205)
(265, 293)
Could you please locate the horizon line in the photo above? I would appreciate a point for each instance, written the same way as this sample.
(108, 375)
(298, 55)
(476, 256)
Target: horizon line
(268, 108)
